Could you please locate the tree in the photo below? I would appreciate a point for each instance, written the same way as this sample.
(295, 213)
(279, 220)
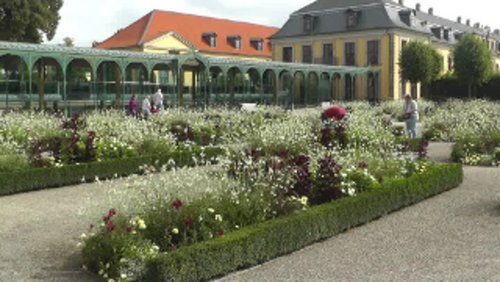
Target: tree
(473, 62)
(420, 62)
(29, 20)
(68, 42)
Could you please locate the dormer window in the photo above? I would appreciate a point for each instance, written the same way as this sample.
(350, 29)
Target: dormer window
(352, 18)
(446, 34)
(437, 31)
(210, 38)
(310, 23)
(406, 17)
(235, 41)
(257, 43)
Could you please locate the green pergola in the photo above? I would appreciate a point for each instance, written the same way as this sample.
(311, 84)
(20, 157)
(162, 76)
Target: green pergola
(91, 78)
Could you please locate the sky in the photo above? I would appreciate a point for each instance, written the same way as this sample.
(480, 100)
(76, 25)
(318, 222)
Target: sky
(96, 20)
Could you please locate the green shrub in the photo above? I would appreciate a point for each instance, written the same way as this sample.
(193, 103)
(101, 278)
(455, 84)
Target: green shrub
(11, 163)
(253, 245)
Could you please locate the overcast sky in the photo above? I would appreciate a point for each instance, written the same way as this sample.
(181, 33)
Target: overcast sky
(89, 20)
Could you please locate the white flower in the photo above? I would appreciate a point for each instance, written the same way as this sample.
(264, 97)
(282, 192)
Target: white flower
(218, 217)
(141, 224)
(175, 231)
(210, 210)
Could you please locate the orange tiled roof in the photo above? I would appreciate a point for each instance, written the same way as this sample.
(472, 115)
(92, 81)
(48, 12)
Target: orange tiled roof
(192, 28)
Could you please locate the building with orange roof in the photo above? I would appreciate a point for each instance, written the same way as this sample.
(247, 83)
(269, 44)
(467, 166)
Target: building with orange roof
(178, 33)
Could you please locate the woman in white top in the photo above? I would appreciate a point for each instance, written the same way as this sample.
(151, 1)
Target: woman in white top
(146, 107)
(411, 115)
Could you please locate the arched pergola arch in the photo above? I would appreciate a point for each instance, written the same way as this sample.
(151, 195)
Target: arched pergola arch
(109, 83)
(350, 87)
(13, 83)
(163, 77)
(235, 84)
(312, 87)
(336, 83)
(299, 88)
(285, 88)
(324, 88)
(48, 81)
(192, 80)
(373, 87)
(270, 86)
(79, 82)
(136, 80)
(253, 86)
(217, 85)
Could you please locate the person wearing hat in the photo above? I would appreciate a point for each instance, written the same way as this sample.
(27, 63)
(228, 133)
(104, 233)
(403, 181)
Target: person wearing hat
(158, 100)
(411, 115)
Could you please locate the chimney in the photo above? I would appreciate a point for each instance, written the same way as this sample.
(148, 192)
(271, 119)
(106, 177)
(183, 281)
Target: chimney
(402, 2)
(467, 22)
(459, 20)
(431, 11)
(417, 7)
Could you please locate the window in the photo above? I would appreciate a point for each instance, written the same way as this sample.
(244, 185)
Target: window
(210, 38)
(235, 41)
(288, 54)
(403, 44)
(350, 54)
(307, 54)
(373, 52)
(328, 54)
(258, 44)
(352, 18)
(309, 23)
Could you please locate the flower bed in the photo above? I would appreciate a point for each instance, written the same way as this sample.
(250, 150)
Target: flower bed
(30, 179)
(274, 169)
(120, 250)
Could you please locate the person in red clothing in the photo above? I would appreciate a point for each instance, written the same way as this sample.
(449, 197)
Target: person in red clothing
(335, 113)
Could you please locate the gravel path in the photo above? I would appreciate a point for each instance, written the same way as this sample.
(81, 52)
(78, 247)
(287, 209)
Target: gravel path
(452, 236)
(39, 233)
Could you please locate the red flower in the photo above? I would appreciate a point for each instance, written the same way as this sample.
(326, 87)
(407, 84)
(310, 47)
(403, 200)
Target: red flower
(177, 204)
(188, 222)
(111, 227)
(106, 219)
(112, 212)
(220, 233)
(130, 230)
(363, 165)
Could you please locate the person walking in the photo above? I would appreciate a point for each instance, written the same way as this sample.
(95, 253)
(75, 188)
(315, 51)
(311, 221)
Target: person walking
(158, 100)
(410, 109)
(146, 107)
(132, 106)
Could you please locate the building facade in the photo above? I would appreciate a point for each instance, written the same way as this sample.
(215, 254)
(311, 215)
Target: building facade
(177, 33)
(371, 33)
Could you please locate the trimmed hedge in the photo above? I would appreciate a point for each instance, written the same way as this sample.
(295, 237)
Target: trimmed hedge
(254, 245)
(41, 178)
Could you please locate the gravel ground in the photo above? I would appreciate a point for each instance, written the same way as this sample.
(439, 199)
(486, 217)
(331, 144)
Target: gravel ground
(451, 237)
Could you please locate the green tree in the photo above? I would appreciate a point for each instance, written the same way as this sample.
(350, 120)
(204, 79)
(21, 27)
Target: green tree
(29, 20)
(68, 42)
(473, 62)
(420, 62)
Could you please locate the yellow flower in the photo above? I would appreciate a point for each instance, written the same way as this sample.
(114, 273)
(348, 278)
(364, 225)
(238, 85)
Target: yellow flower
(210, 210)
(175, 231)
(141, 224)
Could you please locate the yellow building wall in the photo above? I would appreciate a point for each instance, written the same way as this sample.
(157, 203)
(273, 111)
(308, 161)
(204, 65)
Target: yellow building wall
(445, 53)
(384, 78)
(165, 43)
(496, 65)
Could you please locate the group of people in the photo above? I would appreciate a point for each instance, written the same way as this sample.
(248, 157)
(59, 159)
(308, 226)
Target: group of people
(410, 110)
(150, 105)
